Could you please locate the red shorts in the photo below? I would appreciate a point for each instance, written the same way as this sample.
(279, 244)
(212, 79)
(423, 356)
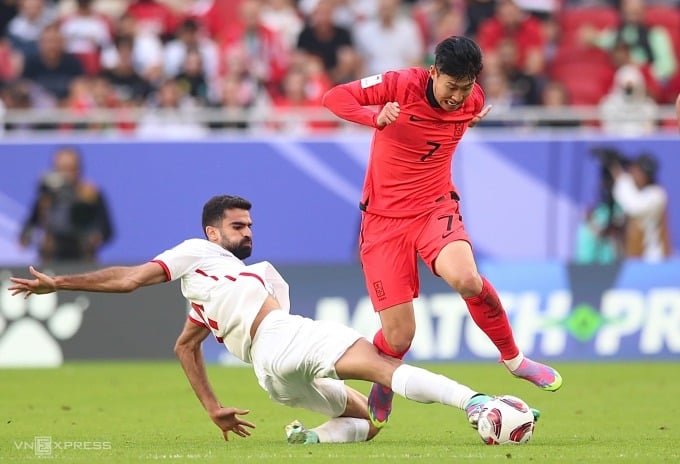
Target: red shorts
(389, 247)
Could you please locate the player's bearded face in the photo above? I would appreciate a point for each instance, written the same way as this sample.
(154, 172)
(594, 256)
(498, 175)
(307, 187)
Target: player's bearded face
(241, 248)
(450, 92)
(235, 233)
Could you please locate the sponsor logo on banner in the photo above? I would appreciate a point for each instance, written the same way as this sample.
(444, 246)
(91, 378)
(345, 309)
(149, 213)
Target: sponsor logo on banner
(31, 329)
(628, 323)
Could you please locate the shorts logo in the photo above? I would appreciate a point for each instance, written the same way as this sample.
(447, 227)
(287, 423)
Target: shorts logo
(379, 290)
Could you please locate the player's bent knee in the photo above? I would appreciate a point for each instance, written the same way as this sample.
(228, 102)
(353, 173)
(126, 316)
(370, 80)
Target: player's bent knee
(401, 343)
(399, 339)
(467, 283)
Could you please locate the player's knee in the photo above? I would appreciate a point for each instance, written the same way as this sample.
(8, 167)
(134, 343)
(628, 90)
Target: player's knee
(468, 284)
(399, 340)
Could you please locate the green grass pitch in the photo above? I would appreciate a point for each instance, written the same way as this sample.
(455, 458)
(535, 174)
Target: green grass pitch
(139, 412)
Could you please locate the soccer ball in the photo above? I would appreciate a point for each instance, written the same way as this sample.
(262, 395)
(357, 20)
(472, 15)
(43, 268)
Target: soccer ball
(505, 420)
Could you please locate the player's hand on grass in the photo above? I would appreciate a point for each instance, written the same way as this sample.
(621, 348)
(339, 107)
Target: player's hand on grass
(226, 420)
(480, 116)
(388, 114)
(40, 285)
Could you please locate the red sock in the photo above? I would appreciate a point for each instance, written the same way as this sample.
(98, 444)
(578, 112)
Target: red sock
(382, 345)
(488, 313)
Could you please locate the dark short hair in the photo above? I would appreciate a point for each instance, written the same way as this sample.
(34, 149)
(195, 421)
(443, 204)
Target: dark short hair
(647, 164)
(459, 57)
(213, 210)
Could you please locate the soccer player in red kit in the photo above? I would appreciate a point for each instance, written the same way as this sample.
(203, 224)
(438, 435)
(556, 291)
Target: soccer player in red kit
(410, 205)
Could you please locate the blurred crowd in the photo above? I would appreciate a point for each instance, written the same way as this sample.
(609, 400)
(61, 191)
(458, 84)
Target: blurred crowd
(264, 56)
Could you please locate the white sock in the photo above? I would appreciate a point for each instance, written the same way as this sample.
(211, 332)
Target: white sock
(423, 386)
(342, 430)
(513, 364)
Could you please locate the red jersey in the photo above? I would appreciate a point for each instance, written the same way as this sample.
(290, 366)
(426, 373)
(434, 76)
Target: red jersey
(410, 161)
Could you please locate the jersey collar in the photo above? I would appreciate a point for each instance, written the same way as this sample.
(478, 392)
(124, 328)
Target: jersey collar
(430, 94)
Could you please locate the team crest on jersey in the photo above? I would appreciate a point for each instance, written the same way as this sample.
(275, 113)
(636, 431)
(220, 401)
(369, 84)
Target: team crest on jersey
(370, 81)
(458, 129)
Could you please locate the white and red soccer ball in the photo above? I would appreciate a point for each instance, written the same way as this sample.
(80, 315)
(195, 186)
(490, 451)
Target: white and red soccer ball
(505, 420)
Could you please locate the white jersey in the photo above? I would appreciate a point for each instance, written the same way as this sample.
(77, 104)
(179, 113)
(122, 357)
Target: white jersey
(647, 205)
(225, 294)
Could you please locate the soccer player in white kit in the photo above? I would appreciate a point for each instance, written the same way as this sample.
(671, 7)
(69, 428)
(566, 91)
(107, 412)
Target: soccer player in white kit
(298, 361)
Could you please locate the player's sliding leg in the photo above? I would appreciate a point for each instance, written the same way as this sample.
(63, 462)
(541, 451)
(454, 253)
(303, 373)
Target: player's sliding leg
(297, 434)
(488, 313)
(336, 430)
(363, 362)
(352, 426)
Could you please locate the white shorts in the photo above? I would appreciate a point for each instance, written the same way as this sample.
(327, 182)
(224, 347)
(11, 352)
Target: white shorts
(294, 360)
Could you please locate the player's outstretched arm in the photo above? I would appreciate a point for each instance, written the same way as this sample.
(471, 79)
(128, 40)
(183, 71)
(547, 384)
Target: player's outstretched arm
(188, 350)
(350, 101)
(677, 110)
(118, 279)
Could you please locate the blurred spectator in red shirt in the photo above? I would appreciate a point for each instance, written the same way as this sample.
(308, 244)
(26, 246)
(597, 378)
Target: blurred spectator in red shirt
(263, 50)
(85, 34)
(296, 95)
(217, 16)
(510, 22)
(87, 94)
(10, 61)
(478, 11)
(155, 17)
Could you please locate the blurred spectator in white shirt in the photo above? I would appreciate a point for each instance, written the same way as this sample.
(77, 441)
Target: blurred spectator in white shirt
(390, 41)
(25, 28)
(189, 36)
(86, 33)
(282, 17)
(168, 117)
(627, 110)
(147, 50)
(645, 204)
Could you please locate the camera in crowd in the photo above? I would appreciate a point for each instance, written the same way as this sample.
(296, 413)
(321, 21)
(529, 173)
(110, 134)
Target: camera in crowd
(609, 157)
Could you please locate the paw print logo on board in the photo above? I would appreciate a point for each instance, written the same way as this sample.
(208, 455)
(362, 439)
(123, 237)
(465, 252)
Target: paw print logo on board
(30, 329)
